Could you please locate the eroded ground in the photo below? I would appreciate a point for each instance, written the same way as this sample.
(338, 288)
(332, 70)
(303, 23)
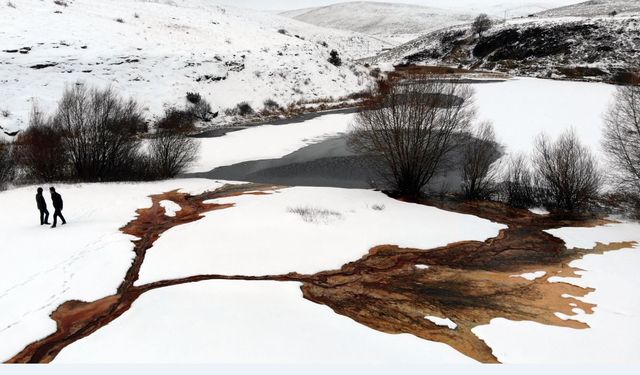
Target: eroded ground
(391, 289)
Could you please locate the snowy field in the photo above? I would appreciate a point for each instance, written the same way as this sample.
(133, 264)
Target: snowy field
(84, 260)
(343, 229)
(246, 322)
(303, 230)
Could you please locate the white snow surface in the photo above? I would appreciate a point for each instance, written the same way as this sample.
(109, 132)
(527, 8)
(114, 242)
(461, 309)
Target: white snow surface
(522, 108)
(443, 322)
(267, 141)
(613, 336)
(245, 322)
(259, 236)
(84, 260)
(163, 49)
(531, 275)
(170, 208)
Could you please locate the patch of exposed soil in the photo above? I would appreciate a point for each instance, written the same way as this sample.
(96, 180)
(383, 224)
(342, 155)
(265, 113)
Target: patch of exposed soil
(393, 289)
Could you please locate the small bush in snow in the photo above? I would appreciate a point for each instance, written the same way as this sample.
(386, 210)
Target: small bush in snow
(283, 32)
(194, 97)
(271, 105)
(244, 109)
(517, 188)
(176, 120)
(316, 215)
(119, 20)
(567, 172)
(334, 58)
(5, 113)
(199, 108)
(170, 154)
(60, 2)
(378, 207)
(136, 15)
(11, 5)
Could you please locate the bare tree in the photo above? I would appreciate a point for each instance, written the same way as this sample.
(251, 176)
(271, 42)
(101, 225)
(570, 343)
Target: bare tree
(481, 24)
(566, 171)
(39, 150)
(99, 131)
(6, 164)
(411, 127)
(170, 153)
(480, 153)
(622, 138)
(517, 187)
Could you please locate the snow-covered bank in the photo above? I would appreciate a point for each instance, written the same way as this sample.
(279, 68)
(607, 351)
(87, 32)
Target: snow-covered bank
(262, 236)
(614, 326)
(267, 141)
(84, 260)
(245, 322)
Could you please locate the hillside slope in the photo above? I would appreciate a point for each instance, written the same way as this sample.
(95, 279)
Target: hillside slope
(592, 48)
(156, 51)
(595, 8)
(393, 22)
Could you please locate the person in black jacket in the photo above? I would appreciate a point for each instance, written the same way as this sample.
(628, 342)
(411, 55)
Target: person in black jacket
(42, 207)
(57, 206)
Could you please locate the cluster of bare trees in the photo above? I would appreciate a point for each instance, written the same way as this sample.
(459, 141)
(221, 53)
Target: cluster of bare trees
(414, 127)
(6, 164)
(94, 135)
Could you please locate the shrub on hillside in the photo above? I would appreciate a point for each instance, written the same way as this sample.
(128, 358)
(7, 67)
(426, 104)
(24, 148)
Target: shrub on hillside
(244, 109)
(176, 120)
(334, 58)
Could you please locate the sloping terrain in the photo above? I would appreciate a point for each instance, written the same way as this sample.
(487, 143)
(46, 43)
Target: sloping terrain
(157, 51)
(592, 48)
(393, 22)
(595, 8)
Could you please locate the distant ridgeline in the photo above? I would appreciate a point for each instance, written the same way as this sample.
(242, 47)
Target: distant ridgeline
(601, 49)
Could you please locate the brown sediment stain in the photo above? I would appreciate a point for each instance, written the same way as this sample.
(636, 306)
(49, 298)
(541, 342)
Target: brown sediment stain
(77, 319)
(469, 282)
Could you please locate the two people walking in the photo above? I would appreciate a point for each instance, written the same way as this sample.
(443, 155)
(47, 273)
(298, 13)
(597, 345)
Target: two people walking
(56, 199)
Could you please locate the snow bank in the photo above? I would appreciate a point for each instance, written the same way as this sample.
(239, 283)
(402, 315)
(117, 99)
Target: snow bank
(267, 141)
(249, 323)
(84, 260)
(260, 236)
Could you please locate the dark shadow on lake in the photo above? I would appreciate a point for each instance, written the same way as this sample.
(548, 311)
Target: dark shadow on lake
(329, 163)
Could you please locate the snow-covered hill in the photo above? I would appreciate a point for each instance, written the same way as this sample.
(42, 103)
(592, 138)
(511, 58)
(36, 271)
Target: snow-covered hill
(397, 23)
(595, 8)
(597, 48)
(158, 50)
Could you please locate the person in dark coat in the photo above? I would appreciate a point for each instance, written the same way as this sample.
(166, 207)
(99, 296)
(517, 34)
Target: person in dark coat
(42, 207)
(57, 206)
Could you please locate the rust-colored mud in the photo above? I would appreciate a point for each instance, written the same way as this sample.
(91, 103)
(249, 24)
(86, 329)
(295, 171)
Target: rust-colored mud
(470, 283)
(389, 289)
(76, 319)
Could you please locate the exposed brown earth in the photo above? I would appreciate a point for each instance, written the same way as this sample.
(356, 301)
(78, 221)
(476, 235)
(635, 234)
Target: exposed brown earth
(470, 282)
